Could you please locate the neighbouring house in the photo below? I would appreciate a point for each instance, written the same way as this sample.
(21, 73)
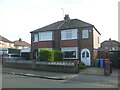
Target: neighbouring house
(19, 44)
(75, 38)
(111, 45)
(26, 53)
(5, 44)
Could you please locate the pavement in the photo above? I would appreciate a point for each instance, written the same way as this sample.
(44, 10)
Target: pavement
(38, 74)
(94, 71)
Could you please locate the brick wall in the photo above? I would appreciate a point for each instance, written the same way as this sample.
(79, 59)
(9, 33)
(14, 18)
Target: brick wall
(45, 44)
(69, 43)
(87, 43)
(64, 66)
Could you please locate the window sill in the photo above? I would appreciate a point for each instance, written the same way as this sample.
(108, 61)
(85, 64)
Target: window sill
(35, 41)
(85, 38)
(46, 41)
(69, 39)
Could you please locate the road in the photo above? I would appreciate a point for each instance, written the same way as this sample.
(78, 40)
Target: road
(17, 81)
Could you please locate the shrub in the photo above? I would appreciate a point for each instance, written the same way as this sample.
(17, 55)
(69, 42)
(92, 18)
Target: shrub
(46, 55)
(82, 65)
(58, 55)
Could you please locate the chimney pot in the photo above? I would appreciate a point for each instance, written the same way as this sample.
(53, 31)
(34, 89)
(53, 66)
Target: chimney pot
(66, 17)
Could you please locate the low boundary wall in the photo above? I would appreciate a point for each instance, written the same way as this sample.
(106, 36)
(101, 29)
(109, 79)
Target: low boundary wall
(57, 66)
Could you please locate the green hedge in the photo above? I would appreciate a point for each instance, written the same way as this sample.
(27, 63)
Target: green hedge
(58, 55)
(50, 55)
(46, 55)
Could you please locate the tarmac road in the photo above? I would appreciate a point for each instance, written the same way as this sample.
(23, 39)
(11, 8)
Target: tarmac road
(91, 77)
(81, 81)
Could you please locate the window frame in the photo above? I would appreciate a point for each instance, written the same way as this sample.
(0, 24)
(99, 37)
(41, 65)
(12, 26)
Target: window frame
(65, 34)
(63, 49)
(20, 47)
(36, 36)
(50, 38)
(1, 43)
(8, 44)
(84, 32)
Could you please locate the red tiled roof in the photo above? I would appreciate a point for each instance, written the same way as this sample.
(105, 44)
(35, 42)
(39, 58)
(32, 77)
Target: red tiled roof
(21, 43)
(4, 39)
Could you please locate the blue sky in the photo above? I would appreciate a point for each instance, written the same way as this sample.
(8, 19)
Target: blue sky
(19, 17)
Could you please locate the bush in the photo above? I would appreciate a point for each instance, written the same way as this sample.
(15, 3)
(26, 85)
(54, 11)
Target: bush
(46, 55)
(58, 55)
(82, 65)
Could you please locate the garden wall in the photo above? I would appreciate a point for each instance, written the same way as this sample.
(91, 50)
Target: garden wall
(57, 66)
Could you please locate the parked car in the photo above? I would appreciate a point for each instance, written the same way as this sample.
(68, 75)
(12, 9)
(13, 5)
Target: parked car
(12, 57)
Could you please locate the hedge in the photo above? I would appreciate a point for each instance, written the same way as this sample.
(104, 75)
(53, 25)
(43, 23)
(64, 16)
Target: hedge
(58, 55)
(46, 55)
(50, 55)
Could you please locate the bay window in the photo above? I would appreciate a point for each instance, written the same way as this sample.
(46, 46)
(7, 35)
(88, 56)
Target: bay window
(70, 52)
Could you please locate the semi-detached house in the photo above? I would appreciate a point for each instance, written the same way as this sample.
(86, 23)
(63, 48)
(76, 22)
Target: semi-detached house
(75, 38)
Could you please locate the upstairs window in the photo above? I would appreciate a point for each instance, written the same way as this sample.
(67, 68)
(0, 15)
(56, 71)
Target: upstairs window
(1, 43)
(45, 36)
(35, 37)
(69, 34)
(8, 44)
(85, 34)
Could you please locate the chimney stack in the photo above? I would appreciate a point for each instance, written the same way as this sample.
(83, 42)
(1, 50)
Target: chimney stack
(66, 18)
(109, 39)
(20, 40)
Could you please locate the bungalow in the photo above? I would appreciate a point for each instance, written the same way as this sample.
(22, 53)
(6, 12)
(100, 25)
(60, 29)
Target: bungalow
(75, 38)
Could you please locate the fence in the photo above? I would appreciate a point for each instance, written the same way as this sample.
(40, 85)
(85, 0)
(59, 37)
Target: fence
(57, 66)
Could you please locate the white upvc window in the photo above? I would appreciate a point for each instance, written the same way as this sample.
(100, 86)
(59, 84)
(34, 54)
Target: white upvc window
(1, 43)
(85, 34)
(8, 44)
(45, 36)
(26, 47)
(69, 34)
(20, 47)
(35, 37)
(12, 44)
(113, 48)
(70, 52)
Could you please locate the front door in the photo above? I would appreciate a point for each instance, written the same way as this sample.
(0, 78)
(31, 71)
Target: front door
(85, 56)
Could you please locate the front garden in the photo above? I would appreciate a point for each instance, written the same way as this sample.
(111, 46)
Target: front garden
(49, 60)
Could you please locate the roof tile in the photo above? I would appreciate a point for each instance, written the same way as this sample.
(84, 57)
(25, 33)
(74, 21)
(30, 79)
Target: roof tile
(4, 39)
(72, 23)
